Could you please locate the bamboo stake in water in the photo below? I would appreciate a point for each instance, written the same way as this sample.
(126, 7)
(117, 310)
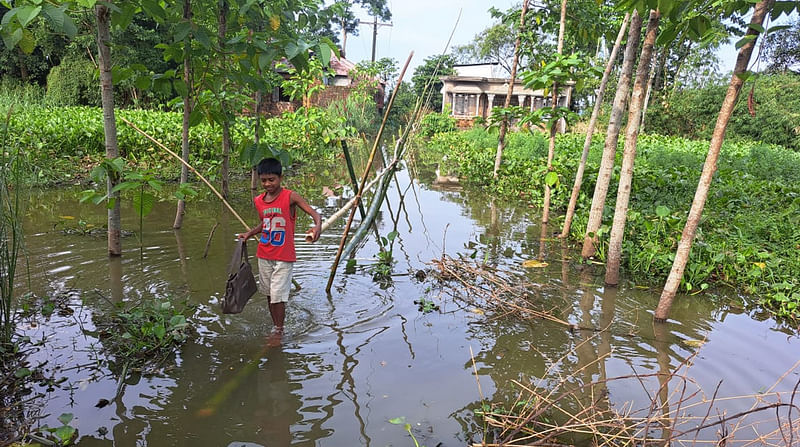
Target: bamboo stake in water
(364, 177)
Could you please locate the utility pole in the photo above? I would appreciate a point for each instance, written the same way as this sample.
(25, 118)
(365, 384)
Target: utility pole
(375, 24)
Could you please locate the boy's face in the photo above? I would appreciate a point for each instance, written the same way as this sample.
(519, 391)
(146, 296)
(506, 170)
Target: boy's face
(270, 182)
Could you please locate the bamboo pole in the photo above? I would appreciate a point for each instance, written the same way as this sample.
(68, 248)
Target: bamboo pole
(214, 190)
(364, 177)
(335, 216)
(352, 173)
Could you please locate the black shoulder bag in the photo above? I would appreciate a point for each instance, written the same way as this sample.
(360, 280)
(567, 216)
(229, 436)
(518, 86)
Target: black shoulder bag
(241, 284)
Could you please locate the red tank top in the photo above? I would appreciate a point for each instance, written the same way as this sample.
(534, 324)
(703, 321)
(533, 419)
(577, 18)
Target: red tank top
(276, 241)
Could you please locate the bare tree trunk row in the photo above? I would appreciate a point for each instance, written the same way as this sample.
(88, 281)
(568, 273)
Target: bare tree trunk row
(612, 137)
(587, 143)
(710, 166)
(629, 154)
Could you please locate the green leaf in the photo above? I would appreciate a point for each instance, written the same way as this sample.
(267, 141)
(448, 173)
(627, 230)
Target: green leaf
(143, 82)
(22, 372)
(26, 14)
(143, 203)
(28, 43)
(153, 9)
(196, 117)
(180, 88)
(12, 39)
(745, 40)
(325, 55)
(159, 331)
(202, 37)
(398, 420)
(181, 31)
(64, 433)
(662, 211)
(177, 320)
(65, 418)
(551, 178)
(757, 27)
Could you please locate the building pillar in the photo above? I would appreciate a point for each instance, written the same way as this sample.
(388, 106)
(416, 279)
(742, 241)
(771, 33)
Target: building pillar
(521, 100)
(444, 100)
(490, 103)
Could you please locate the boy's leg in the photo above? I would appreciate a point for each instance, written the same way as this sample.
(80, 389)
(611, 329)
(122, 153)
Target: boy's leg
(266, 269)
(280, 287)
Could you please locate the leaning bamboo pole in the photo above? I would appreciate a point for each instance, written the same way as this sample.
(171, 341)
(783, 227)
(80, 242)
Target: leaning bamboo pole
(364, 177)
(185, 163)
(335, 216)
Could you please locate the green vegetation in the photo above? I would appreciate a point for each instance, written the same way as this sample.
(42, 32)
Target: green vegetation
(775, 114)
(751, 229)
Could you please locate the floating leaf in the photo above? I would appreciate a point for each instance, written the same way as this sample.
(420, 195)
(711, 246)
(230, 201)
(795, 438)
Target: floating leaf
(533, 263)
(22, 372)
(694, 343)
(398, 420)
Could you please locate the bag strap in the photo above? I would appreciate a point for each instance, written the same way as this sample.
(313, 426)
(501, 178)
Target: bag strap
(238, 253)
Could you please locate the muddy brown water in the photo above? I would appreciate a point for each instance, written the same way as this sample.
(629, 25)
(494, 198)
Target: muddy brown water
(352, 361)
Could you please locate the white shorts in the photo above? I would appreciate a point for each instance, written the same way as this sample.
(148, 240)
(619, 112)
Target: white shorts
(275, 279)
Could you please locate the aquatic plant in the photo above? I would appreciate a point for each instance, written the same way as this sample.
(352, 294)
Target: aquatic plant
(751, 228)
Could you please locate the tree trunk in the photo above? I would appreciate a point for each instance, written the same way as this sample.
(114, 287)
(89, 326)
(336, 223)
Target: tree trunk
(103, 15)
(647, 98)
(629, 154)
(587, 143)
(187, 111)
(501, 138)
(710, 166)
(226, 127)
(551, 147)
(612, 137)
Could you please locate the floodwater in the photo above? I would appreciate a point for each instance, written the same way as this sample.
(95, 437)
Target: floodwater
(352, 361)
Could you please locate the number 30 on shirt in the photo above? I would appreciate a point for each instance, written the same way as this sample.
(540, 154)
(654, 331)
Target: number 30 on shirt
(274, 231)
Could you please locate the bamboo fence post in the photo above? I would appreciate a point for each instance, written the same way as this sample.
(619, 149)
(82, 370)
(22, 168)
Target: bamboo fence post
(364, 177)
(352, 173)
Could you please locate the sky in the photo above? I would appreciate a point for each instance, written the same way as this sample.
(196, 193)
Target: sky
(425, 25)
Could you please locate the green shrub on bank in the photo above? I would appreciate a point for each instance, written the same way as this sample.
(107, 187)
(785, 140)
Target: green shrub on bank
(693, 112)
(54, 135)
(750, 233)
(73, 83)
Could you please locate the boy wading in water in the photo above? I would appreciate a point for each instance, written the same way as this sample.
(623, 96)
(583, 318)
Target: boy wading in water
(277, 210)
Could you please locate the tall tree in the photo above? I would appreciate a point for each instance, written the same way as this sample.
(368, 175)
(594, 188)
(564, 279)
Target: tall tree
(187, 110)
(429, 71)
(553, 123)
(629, 152)
(704, 185)
(598, 104)
(222, 29)
(612, 137)
(103, 16)
(501, 138)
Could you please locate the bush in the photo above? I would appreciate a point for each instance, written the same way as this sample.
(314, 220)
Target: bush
(692, 113)
(73, 83)
(434, 123)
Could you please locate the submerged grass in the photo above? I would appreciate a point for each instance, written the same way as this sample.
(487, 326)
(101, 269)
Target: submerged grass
(750, 234)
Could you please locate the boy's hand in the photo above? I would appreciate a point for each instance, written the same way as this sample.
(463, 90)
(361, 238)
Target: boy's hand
(314, 233)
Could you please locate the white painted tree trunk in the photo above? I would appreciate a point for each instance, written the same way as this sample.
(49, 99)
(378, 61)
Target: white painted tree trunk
(629, 154)
(701, 194)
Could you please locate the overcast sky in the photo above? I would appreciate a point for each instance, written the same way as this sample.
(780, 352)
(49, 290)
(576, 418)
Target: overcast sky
(425, 25)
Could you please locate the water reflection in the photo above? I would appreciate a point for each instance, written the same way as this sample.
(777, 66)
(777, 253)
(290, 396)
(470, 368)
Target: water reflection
(362, 356)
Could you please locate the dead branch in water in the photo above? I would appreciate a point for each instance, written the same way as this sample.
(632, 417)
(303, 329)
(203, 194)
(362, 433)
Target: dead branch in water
(493, 289)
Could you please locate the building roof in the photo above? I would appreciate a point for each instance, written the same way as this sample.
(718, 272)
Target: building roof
(341, 66)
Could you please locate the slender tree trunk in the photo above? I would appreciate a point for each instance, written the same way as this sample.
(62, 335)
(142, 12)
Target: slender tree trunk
(187, 111)
(226, 127)
(551, 147)
(587, 143)
(256, 140)
(23, 69)
(629, 154)
(501, 138)
(612, 137)
(710, 166)
(103, 15)
(647, 98)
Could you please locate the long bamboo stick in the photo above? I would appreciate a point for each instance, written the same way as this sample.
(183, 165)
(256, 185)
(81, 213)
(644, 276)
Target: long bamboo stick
(335, 216)
(214, 190)
(366, 174)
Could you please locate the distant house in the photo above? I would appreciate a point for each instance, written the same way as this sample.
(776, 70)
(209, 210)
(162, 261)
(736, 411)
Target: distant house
(338, 86)
(476, 88)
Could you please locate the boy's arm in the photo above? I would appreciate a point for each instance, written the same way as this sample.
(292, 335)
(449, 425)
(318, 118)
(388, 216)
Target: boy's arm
(297, 199)
(254, 231)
